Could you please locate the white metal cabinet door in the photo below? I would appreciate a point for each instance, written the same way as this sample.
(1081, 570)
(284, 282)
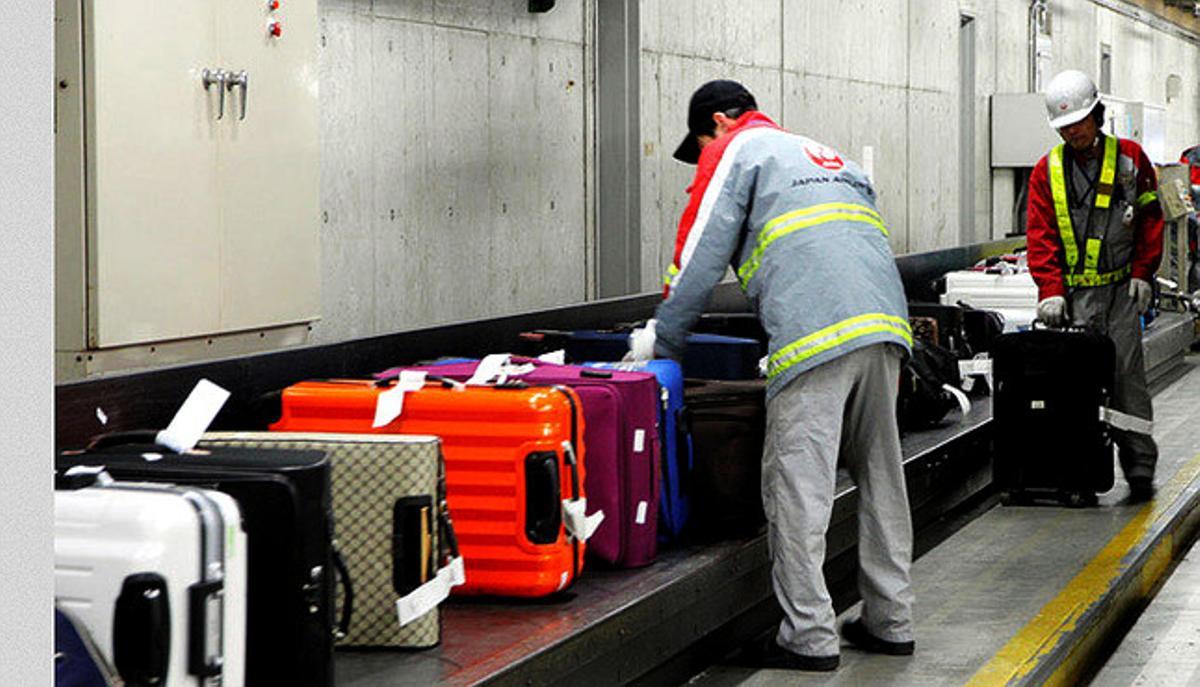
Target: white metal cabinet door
(269, 175)
(153, 211)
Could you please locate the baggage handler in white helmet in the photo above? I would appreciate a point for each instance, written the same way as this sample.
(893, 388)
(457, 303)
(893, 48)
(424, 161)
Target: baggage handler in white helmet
(798, 224)
(1095, 230)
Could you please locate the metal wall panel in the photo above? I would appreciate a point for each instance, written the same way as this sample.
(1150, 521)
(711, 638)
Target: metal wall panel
(268, 167)
(152, 184)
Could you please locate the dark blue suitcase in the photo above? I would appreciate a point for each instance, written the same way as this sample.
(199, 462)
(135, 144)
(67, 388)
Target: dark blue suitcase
(708, 356)
(77, 660)
(673, 504)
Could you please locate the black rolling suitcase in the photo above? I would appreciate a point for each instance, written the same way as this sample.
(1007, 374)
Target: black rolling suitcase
(1051, 387)
(727, 423)
(287, 513)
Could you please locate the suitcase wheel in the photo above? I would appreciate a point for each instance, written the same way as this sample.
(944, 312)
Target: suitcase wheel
(1016, 498)
(1078, 499)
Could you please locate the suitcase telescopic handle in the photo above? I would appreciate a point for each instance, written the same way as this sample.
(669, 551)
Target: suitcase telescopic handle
(126, 438)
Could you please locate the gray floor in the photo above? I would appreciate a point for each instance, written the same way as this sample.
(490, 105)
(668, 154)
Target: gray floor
(981, 586)
(1163, 648)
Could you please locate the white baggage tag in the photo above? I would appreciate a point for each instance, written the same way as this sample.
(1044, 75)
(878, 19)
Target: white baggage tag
(558, 357)
(979, 366)
(193, 417)
(428, 596)
(639, 440)
(578, 525)
(490, 369)
(641, 513)
(390, 404)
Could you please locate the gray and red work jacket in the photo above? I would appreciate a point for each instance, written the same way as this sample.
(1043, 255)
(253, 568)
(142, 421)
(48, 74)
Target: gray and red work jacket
(799, 226)
(1102, 236)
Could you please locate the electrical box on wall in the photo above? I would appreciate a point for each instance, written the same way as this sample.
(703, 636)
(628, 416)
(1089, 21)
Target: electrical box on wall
(1138, 121)
(1021, 134)
(187, 175)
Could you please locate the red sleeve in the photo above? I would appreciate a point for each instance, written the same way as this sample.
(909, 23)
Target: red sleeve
(1148, 223)
(1041, 232)
(710, 157)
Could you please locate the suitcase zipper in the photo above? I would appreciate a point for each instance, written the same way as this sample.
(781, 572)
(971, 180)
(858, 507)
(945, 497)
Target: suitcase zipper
(569, 458)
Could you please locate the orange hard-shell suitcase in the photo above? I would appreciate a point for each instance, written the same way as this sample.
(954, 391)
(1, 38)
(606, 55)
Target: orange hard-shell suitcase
(512, 454)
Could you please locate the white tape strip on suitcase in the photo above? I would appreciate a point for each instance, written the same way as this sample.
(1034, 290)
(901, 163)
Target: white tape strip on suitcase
(1124, 421)
(425, 598)
(390, 404)
(964, 404)
(579, 525)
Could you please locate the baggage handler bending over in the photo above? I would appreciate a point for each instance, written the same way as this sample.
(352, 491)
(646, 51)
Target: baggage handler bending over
(1095, 232)
(799, 226)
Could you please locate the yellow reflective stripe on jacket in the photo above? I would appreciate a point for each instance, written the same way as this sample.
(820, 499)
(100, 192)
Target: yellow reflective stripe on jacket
(833, 336)
(814, 209)
(1108, 173)
(1062, 210)
(1062, 213)
(803, 219)
(672, 270)
(1146, 198)
(1102, 279)
(1091, 258)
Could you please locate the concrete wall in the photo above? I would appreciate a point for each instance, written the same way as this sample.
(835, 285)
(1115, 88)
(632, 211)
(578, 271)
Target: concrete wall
(455, 161)
(458, 151)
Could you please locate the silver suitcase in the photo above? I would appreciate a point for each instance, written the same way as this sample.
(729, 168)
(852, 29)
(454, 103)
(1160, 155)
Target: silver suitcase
(157, 574)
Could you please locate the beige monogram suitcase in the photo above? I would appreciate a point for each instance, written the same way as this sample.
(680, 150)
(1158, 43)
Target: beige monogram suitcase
(392, 527)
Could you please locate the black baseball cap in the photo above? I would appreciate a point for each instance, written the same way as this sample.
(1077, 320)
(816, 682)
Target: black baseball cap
(721, 95)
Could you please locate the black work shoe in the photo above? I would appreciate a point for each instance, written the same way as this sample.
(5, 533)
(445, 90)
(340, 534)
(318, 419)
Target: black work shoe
(856, 633)
(1141, 488)
(770, 655)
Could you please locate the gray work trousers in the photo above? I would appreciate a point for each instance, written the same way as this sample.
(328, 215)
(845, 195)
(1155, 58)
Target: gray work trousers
(1109, 309)
(845, 408)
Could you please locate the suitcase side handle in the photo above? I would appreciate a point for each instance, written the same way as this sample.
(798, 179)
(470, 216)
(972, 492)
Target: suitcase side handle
(543, 509)
(142, 629)
(343, 573)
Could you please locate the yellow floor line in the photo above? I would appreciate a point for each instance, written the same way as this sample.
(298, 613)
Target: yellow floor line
(1060, 616)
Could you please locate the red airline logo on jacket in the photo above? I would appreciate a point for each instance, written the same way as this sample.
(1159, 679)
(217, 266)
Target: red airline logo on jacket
(1046, 255)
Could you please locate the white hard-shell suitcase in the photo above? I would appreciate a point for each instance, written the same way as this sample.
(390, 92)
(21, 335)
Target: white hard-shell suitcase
(1014, 296)
(157, 574)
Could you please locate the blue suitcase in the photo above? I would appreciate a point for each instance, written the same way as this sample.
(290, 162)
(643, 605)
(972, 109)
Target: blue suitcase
(673, 505)
(708, 356)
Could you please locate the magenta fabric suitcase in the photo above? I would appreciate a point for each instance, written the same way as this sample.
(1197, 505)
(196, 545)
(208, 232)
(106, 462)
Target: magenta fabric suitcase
(620, 411)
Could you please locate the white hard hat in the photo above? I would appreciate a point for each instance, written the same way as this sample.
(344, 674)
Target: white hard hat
(1070, 97)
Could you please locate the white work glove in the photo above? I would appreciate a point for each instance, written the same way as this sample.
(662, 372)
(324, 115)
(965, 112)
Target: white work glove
(1140, 292)
(1053, 311)
(641, 343)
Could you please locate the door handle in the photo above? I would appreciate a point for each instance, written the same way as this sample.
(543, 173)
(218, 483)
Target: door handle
(219, 76)
(240, 79)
